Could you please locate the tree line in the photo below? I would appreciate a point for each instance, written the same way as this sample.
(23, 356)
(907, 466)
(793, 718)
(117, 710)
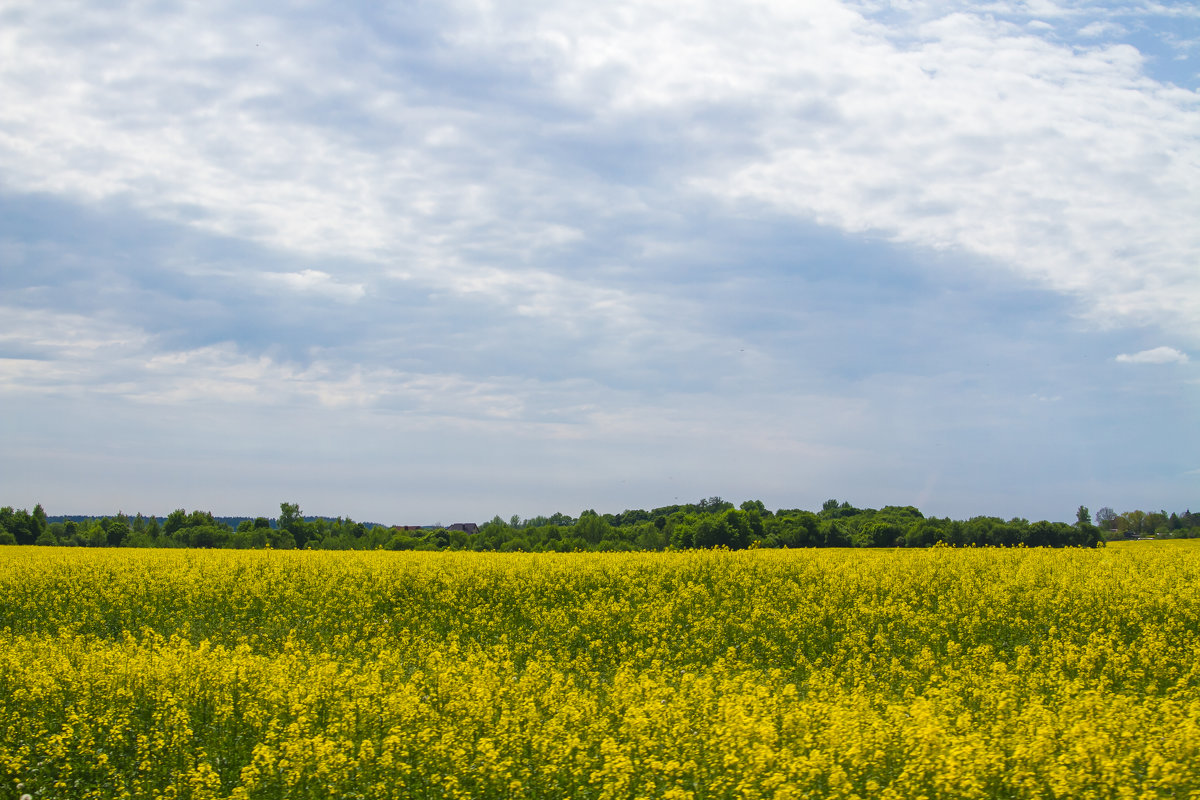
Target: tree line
(711, 522)
(1154, 524)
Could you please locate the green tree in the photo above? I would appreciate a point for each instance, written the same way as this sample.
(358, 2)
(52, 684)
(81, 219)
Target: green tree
(591, 527)
(292, 521)
(795, 529)
(1131, 523)
(878, 533)
(205, 536)
(1086, 534)
(924, 533)
(289, 515)
(25, 527)
(713, 505)
(835, 534)
(755, 506)
(117, 529)
(94, 534)
(39, 521)
(1041, 534)
(281, 539)
(175, 522)
(739, 528)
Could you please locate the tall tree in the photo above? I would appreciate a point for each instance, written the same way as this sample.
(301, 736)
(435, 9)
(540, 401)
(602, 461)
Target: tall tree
(289, 515)
(39, 520)
(591, 527)
(1106, 518)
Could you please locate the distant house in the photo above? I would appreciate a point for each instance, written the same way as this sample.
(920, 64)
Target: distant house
(465, 527)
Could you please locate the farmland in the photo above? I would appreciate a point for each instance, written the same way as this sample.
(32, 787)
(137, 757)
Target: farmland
(946, 672)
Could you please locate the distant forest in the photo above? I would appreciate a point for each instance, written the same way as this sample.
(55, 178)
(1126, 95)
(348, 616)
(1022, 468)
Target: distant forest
(712, 522)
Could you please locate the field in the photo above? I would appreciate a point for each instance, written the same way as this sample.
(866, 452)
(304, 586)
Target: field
(964, 673)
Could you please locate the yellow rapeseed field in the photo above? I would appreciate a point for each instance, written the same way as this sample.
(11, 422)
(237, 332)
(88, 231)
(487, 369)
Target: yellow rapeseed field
(941, 673)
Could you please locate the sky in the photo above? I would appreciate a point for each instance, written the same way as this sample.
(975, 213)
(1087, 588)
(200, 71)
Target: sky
(420, 263)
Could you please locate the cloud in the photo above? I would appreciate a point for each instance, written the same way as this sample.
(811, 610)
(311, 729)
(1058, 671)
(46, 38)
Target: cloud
(1101, 28)
(1157, 355)
(512, 136)
(317, 282)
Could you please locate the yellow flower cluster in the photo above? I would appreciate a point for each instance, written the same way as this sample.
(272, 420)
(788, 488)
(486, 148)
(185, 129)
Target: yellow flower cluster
(942, 673)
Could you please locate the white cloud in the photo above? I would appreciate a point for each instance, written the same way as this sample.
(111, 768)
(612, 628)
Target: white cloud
(317, 282)
(953, 130)
(1101, 28)
(1070, 168)
(1157, 355)
(1067, 168)
(67, 335)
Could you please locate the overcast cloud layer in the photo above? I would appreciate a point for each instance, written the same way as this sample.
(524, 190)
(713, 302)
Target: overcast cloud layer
(436, 262)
